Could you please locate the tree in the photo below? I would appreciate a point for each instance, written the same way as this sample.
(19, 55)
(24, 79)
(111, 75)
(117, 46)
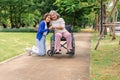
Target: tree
(118, 7)
(76, 12)
(18, 13)
(24, 12)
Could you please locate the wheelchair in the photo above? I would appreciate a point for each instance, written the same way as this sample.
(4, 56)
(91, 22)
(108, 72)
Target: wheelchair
(51, 52)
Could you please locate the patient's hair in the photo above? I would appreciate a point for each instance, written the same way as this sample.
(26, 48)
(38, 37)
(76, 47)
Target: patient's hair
(54, 12)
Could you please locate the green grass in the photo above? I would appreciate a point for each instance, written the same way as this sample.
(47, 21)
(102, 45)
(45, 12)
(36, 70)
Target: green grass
(13, 43)
(105, 61)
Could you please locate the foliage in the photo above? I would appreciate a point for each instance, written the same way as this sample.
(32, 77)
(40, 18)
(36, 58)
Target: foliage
(17, 13)
(21, 13)
(18, 30)
(118, 7)
(75, 11)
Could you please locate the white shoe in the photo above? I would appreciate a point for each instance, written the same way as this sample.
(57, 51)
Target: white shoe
(28, 51)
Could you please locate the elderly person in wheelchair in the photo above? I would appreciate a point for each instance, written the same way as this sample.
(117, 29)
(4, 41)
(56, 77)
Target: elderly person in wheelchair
(60, 32)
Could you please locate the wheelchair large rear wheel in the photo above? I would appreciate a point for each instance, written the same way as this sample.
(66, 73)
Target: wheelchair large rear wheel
(73, 47)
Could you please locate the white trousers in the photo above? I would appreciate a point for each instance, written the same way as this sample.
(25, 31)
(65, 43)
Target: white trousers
(40, 48)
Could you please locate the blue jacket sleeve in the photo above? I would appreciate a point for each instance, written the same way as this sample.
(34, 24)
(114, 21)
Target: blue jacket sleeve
(41, 28)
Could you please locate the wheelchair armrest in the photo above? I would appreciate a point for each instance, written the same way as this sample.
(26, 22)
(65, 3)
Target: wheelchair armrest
(68, 28)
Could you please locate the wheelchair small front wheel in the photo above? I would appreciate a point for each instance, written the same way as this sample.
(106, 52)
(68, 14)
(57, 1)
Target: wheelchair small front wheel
(50, 53)
(71, 55)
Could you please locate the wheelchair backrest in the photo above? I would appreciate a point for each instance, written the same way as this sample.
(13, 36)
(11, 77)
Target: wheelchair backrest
(68, 28)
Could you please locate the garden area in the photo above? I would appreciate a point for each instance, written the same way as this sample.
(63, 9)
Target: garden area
(105, 61)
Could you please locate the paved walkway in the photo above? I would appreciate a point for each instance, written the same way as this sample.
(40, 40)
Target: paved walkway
(58, 67)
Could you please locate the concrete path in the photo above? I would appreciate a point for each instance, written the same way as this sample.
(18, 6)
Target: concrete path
(58, 67)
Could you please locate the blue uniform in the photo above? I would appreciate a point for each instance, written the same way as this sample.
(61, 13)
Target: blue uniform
(41, 38)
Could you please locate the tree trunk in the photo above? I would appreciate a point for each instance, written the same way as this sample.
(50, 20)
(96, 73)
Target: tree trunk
(114, 20)
(114, 5)
(108, 19)
(4, 25)
(73, 22)
(96, 27)
(104, 18)
(112, 30)
(11, 17)
(100, 37)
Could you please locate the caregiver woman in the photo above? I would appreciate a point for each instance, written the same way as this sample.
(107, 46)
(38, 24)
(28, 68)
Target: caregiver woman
(43, 30)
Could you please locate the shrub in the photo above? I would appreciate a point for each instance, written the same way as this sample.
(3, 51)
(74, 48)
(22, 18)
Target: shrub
(18, 30)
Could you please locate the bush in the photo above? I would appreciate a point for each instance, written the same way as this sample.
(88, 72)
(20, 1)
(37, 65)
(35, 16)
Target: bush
(18, 30)
(76, 29)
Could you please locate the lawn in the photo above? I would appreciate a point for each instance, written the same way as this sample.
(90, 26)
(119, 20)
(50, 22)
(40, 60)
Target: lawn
(13, 43)
(105, 61)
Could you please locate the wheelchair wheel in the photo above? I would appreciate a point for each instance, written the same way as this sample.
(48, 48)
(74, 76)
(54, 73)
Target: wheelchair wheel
(73, 51)
(73, 46)
(50, 53)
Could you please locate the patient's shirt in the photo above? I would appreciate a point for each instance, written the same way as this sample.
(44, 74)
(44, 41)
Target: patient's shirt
(59, 22)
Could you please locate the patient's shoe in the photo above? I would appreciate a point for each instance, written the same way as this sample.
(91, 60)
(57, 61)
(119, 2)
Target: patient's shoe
(28, 51)
(57, 52)
(69, 52)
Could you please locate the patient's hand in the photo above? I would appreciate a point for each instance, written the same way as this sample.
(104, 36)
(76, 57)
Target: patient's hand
(50, 27)
(59, 28)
